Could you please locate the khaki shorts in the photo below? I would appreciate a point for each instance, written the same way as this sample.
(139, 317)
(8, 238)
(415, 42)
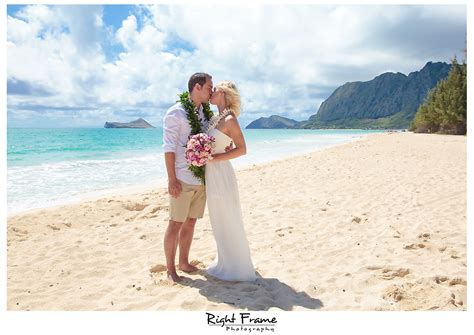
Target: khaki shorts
(189, 204)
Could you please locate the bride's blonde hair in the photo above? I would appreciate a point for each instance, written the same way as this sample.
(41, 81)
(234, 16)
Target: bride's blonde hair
(231, 96)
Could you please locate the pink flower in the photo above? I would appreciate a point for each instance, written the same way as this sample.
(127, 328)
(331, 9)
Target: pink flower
(199, 149)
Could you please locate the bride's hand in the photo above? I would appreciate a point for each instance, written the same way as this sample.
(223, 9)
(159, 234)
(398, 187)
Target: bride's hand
(229, 147)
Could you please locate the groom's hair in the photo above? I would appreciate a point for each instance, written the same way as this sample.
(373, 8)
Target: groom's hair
(198, 78)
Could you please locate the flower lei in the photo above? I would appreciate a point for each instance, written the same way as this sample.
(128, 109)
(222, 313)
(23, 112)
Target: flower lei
(196, 127)
(216, 119)
(192, 114)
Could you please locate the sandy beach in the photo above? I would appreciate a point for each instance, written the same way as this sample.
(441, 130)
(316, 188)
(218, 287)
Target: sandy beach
(376, 224)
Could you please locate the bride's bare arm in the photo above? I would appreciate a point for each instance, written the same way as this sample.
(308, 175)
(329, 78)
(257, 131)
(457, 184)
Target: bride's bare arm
(240, 148)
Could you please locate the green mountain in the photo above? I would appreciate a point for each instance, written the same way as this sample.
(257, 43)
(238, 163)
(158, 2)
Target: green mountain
(388, 101)
(273, 122)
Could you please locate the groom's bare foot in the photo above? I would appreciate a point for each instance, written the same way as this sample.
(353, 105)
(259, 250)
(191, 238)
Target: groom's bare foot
(187, 268)
(174, 277)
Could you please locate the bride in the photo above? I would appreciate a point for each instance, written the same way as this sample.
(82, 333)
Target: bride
(233, 261)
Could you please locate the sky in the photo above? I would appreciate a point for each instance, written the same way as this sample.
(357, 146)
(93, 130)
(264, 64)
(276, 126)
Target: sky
(83, 65)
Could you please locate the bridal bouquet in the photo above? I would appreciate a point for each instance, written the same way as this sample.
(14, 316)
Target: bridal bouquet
(199, 151)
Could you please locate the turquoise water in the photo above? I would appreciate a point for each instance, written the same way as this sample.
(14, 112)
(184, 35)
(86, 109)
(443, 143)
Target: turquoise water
(28, 147)
(53, 166)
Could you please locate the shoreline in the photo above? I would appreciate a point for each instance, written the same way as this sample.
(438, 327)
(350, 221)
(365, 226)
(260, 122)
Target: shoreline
(161, 183)
(377, 224)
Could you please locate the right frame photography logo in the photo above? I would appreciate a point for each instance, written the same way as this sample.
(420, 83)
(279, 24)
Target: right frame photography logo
(242, 322)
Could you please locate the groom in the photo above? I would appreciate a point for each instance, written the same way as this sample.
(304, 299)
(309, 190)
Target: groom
(187, 194)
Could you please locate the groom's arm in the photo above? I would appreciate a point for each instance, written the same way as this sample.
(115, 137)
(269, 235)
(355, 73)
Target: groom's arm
(170, 144)
(174, 187)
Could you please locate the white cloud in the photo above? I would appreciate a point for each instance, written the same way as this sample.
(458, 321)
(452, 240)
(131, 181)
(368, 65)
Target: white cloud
(20, 31)
(286, 59)
(85, 26)
(126, 34)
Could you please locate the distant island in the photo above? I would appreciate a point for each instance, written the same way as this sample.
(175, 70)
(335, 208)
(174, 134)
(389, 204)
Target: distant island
(139, 123)
(273, 122)
(389, 101)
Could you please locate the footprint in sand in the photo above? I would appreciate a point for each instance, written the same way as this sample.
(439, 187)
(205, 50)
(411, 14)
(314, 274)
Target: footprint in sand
(442, 249)
(131, 218)
(414, 246)
(198, 264)
(390, 273)
(169, 283)
(424, 236)
(280, 229)
(151, 212)
(144, 217)
(158, 268)
(20, 231)
(280, 233)
(357, 219)
(394, 293)
(450, 282)
(136, 207)
(454, 255)
(457, 281)
(428, 294)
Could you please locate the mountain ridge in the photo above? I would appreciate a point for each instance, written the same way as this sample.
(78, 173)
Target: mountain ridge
(388, 101)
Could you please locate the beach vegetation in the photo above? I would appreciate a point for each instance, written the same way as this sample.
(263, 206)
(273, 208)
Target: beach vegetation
(445, 106)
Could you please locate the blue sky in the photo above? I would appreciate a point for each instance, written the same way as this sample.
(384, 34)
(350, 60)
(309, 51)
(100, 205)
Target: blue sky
(79, 66)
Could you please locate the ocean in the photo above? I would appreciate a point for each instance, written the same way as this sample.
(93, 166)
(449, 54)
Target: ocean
(48, 167)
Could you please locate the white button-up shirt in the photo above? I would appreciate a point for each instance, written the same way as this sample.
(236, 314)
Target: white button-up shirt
(176, 130)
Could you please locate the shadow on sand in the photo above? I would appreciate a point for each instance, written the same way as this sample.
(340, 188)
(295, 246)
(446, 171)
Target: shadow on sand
(260, 295)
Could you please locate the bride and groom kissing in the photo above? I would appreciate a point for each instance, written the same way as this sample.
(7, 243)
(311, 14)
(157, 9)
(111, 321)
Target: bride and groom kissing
(188, 194)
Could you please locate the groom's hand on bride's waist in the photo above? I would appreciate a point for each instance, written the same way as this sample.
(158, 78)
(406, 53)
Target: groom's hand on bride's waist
(174, 188)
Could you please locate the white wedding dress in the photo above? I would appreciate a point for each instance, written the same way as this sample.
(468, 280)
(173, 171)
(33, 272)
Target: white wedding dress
(233, 261)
